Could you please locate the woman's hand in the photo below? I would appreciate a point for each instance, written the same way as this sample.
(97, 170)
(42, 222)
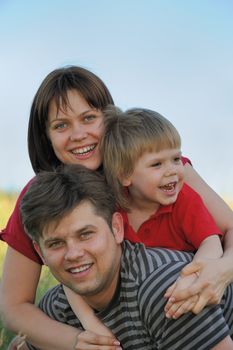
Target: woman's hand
(208, 287)
(176, 307)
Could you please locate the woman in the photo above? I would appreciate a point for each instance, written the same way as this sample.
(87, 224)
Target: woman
(66, 126)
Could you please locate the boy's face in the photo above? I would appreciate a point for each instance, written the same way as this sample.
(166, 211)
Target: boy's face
(84, 254)
(157, 178)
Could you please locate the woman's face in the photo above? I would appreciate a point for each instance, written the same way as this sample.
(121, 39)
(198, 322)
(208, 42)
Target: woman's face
(75, 132)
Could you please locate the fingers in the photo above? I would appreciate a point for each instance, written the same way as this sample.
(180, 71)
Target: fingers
(209, 296)
(175, 310)
(180, 294)
(192, 267)
(87, 340)
(170, 290)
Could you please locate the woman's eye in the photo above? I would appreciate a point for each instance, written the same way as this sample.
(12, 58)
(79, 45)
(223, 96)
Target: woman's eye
(89, 118)
(60, 126)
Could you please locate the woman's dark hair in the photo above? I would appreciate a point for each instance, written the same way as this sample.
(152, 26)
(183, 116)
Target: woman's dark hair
(55, 87)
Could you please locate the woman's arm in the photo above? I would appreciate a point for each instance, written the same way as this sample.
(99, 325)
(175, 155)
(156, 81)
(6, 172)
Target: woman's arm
(18, 289)
(220, 211)
(216, 274)
(223, 216)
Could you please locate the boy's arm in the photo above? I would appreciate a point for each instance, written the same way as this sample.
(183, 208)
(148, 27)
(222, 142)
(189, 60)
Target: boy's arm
(85, 314)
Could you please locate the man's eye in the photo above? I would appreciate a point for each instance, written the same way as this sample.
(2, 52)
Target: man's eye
(55, 244)
(86, 235)
(177, 159)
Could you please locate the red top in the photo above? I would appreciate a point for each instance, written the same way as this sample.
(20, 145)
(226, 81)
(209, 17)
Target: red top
(15, 235)
(182, 225)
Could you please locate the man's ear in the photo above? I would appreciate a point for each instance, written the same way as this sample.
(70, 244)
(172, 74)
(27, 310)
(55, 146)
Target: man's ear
(38, 250)
(118, 227)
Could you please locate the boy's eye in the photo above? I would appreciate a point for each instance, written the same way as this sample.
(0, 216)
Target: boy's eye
(177, 159)
(156, 165)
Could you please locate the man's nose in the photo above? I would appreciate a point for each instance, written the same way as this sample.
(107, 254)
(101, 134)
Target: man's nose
(74, 251)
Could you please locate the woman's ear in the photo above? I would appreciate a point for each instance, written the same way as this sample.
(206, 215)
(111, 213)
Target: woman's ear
(39, 251)
(118, 227)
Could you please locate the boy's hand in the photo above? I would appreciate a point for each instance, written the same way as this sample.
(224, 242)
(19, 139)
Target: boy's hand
(87, 340)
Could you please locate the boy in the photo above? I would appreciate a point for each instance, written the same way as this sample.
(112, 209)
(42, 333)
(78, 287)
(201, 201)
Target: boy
(142, 163)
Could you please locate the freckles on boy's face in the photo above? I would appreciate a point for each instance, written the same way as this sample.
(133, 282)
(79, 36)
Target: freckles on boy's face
(83, 253)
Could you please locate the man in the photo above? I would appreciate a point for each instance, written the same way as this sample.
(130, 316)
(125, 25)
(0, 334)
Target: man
(71, 217)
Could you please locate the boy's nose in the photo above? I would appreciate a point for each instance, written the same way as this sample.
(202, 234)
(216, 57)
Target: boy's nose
(170, 170)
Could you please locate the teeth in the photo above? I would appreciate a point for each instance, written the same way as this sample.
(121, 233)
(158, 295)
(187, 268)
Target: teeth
(83, 149)
(79, 269)
(169, 186)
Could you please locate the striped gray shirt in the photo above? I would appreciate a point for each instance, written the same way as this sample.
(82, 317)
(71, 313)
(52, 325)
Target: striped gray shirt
(136, 313)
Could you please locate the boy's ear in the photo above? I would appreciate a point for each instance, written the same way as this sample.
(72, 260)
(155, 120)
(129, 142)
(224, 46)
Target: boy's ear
(126, 182)
(118, 227)
(39, 252)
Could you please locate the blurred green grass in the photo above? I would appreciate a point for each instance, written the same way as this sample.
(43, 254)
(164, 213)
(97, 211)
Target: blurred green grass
(7, 203)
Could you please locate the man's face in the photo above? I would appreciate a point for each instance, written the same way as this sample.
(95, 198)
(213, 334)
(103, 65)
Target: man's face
(84, 254)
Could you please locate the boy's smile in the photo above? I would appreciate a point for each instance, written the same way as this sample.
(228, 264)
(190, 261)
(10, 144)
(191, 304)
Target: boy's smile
(157, 179)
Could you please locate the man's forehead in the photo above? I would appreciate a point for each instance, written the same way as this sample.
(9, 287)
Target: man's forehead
(78, 218)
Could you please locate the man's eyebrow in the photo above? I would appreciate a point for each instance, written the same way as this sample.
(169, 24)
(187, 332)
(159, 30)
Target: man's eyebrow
(86, 227)
(51, 239)
(80, 230)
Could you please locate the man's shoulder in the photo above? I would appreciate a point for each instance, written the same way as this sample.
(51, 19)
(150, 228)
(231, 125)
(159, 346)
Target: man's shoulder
(54, 299)
(138, 261)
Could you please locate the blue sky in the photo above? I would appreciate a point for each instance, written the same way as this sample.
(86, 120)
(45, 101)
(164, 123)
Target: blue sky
(173, 56)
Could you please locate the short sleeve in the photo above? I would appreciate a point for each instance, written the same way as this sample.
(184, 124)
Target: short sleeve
(186, 160)
(194, 218)
(15, 236)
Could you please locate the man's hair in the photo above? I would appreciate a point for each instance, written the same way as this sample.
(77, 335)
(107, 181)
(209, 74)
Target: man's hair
(55, 88)
(128, 135)
(54, 194)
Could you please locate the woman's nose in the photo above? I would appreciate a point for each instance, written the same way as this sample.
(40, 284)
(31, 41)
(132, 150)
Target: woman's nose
(78, 133)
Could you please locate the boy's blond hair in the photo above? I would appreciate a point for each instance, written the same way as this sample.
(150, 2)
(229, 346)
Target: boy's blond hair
(128, 135)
